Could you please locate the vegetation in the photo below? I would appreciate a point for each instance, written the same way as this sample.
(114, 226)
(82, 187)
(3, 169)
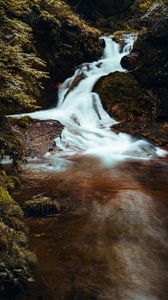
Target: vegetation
(16, 260)
(22, 71)
(146, 4)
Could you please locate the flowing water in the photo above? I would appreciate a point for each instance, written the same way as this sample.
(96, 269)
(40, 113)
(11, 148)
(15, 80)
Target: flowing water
(110, 240)
(87, 125)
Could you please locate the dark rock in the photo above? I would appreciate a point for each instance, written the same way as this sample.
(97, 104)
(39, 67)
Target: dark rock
(123, 97)
(139, 110)
(129, 62)
(41, 206)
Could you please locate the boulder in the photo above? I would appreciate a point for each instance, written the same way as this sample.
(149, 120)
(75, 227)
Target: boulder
(129, 62)
(139, 110)
(123, 97)
(40, 206)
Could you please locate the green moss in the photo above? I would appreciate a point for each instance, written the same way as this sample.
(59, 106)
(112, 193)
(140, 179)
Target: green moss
(123, 97)
(24, 122)
(146, 4)
(21, 68)
(5, 197)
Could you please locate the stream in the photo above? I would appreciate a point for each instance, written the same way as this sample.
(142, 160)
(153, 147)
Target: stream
(110, 240)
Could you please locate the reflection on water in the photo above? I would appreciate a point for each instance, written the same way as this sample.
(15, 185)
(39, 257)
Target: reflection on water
(110, 241)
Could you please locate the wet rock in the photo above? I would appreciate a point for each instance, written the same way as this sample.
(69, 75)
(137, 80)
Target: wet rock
(75, 83)
(36, 136)
(154, 132)
(138, 109)
(129, 62)
(123, 97)
(41, 206)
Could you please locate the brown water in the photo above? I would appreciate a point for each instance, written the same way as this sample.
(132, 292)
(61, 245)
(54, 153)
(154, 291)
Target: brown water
(110, 242)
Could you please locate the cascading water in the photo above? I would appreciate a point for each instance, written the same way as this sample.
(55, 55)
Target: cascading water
(87, 128)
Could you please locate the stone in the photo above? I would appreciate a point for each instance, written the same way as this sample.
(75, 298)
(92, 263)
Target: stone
(129, 62)
(40, 206)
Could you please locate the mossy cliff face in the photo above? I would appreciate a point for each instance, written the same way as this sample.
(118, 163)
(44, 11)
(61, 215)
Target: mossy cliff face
(16, 260)
(40, 43)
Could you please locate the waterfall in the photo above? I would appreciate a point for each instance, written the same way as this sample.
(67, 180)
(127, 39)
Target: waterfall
(87, 126)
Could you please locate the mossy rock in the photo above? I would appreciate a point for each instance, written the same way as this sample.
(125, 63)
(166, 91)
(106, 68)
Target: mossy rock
(16, 260)
(123, 97)
(5, 197)
(155, 132)
(24, 122)
(41, 207)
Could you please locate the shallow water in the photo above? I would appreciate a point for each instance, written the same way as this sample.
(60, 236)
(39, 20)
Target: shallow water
(110, 240)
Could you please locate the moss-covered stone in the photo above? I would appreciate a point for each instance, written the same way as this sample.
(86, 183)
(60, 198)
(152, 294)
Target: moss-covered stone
(16, 260)
(123, 97)
(4, 196)
(41, 206)
(137, 109)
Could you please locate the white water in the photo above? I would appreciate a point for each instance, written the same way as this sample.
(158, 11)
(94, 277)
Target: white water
(87, 125)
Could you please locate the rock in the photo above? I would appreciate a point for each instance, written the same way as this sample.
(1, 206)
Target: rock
(16, 260)
(152, 65)
(156, 19)
(129, 62)
(123, 97)
(37, 137)
(137, 109)
(41, 206)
